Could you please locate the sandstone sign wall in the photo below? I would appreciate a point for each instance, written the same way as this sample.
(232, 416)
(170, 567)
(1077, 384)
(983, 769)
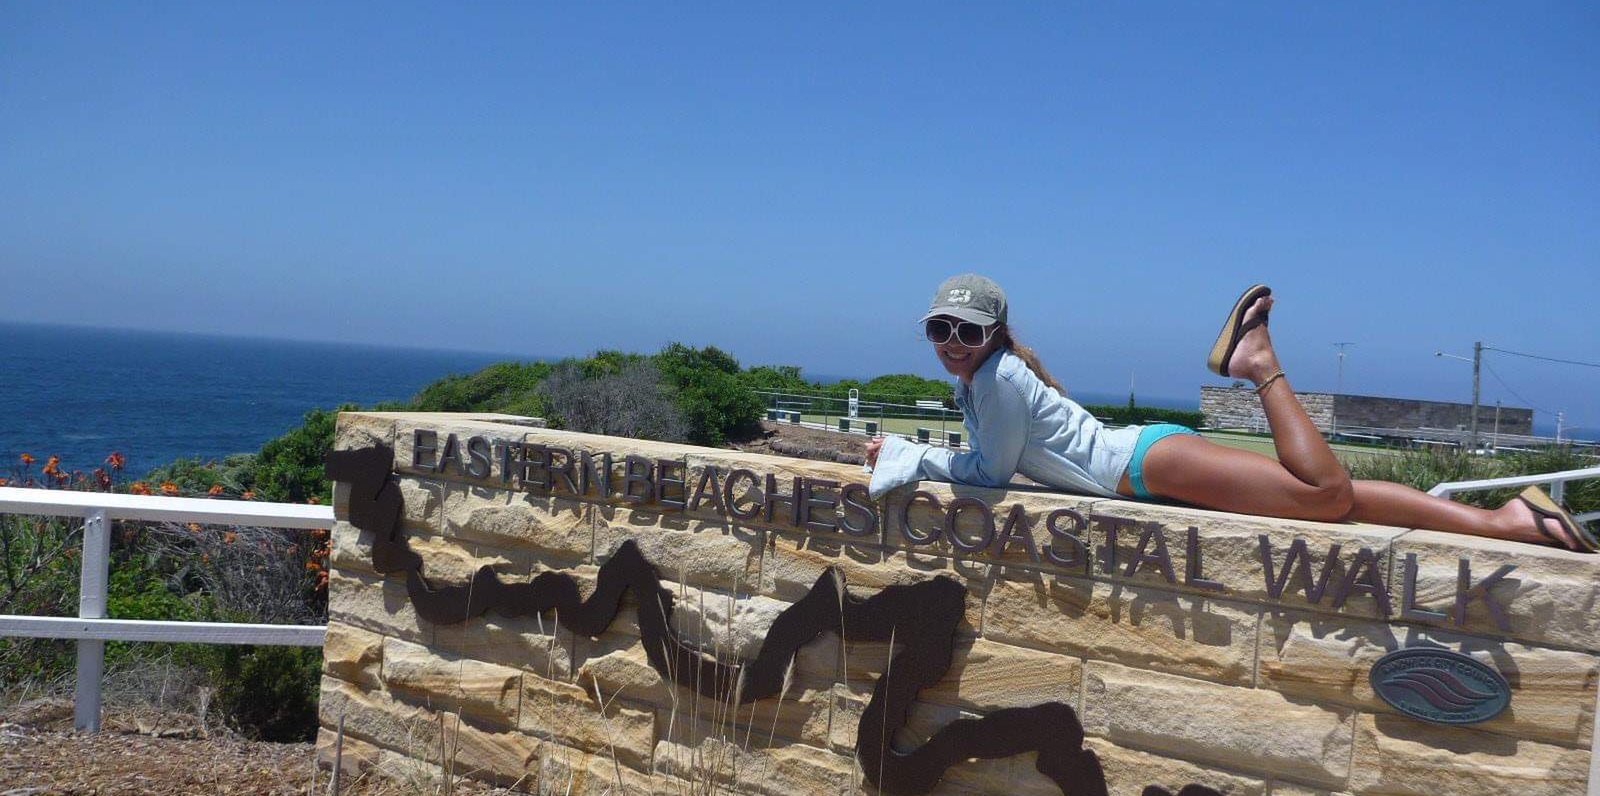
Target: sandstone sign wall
(1192, 649)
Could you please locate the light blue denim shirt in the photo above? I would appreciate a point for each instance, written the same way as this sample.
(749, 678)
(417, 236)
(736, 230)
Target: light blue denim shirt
(1015, 424)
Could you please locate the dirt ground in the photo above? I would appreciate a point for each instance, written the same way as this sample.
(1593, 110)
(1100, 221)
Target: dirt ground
(782, 439)
(145, 753)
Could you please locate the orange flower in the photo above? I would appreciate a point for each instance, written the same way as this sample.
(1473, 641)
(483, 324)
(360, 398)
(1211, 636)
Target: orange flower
(205, 559)
(27, 459)
(116, 460)
(4, 481)
(138, 488)
(248, 495)
(102, 478)
(312, 566)
(194, 527)
(319, 533)
(314, 500)
(228, 537)
(169, 488)
(216, 489)
(52, 465)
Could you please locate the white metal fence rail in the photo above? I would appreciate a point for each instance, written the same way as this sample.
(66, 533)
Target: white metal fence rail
(92, 629)
(1557, 481)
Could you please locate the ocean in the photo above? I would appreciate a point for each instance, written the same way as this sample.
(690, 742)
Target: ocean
(82, 393)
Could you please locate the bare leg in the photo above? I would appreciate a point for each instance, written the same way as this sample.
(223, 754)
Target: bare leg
(1307, 481)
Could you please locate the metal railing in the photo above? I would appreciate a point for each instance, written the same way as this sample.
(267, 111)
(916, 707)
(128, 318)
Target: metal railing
(1557, 481)
(92, 629)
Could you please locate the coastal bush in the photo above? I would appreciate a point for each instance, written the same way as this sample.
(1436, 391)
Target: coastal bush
(1127, 415)
(631, 402)
(709, 392)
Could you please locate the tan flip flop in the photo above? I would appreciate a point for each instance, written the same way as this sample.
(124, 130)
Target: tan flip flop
(1234, 328)
(1545, 507)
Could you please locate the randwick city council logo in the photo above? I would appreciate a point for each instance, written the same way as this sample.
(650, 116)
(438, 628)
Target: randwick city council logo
(1439, 686)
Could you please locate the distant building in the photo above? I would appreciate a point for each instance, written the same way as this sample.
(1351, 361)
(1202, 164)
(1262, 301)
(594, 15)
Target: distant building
(1240, 408)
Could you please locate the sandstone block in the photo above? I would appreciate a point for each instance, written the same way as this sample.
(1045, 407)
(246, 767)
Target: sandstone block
(1397, 755)
(350, 549)
(534, 644)
(572, 716)
(355, 756)
(777, 771)
(1230, 554)
(986, 675)
(354, 430)
(572, 772)
(444, 683)
(418, 733)
(559, 531)
(1327, 659)
(1246, 729)
(794, 562)
(352, 654)
(1131, 771)
(704, 553)
(1132, 625)
(448, 561)
(378, 604)
(1549, 598)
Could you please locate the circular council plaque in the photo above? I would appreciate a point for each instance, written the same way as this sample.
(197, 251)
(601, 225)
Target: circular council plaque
(1439, 686)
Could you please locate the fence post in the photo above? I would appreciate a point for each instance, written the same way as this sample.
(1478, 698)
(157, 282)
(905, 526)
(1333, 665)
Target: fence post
(92, 577)
(1558, 490)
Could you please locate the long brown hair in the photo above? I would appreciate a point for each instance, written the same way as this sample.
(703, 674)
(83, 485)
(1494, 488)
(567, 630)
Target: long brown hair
(1028, 357)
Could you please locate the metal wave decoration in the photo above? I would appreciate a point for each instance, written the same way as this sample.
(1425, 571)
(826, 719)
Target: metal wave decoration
(922, 616)
(1439, 686)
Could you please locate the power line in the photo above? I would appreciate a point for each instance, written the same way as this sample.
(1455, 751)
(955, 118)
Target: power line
(1546, 359)
(1514, 393)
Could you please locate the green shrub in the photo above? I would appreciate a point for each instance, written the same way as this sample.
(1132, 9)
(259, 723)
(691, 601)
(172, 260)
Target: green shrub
(269, 693)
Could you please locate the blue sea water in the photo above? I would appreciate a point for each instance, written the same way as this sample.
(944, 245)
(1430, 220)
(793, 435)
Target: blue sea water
(81, 393)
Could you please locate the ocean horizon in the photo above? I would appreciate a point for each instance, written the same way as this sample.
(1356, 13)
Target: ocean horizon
(83, 392)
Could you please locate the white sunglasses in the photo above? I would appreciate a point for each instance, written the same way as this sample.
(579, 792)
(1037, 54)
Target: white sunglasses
(972, 335)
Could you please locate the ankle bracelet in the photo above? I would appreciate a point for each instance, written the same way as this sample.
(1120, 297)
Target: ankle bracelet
(1268, 383)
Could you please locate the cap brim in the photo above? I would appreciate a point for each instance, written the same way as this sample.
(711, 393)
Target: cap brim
(964, 313)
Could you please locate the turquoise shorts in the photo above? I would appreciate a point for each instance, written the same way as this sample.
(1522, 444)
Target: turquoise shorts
(1149, 436)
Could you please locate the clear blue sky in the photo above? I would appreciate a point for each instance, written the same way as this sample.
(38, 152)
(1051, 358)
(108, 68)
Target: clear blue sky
(790, 181)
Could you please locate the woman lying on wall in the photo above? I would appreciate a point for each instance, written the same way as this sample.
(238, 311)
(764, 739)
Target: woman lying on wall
(1019, 420)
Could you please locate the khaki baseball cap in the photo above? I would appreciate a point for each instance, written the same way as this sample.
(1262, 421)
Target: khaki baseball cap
(971, 298)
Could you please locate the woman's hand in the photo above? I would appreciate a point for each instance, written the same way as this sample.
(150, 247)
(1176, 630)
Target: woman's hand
(875, 445)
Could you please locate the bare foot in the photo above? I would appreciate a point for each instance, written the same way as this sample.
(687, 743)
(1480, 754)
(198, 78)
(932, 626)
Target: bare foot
(1253, 358)
(1519, 524)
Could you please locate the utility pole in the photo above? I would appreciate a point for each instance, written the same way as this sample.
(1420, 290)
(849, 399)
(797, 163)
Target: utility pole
(1477, 363)
(1560, 416)
(1338, 390)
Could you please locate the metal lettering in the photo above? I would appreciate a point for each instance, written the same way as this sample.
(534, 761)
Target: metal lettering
(535, 461)
(504, 447)
(1160, 559)
(1466, 591)
(1298, 559)
(566, 469)
(1372, 585)
(857, 499)
(916, 539)
(477, 457)
(1013, 530)
(587, 473)
(418, 447)
(809, 501)
(663, 469)
(953, 512)
(710, 484)
(1408, 595)
(451, 451)
(1193, 569)
(637, 471)
(1080, 551)
(771, 499)
(1110, 526)
(728, 496)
